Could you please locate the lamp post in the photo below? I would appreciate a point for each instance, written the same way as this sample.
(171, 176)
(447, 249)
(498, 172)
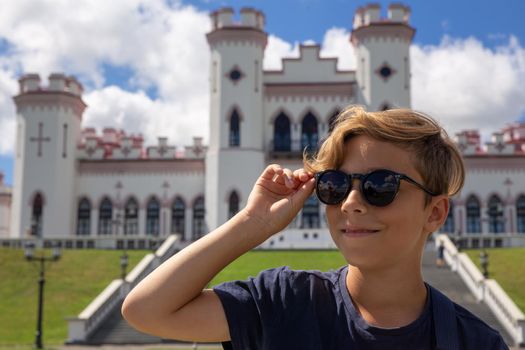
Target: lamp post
(30, 256)
(484, 262)
(124, 257)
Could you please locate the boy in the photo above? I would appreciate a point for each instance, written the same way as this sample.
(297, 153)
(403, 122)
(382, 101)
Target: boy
(386, 178)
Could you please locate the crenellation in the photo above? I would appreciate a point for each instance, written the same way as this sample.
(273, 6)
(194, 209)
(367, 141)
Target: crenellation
(398, 13)
(252, 18)
(57, 82)
(29, 82)
(222, 17)
(371, 13)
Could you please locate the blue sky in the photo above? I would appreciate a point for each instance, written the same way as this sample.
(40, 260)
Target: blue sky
(144, 63)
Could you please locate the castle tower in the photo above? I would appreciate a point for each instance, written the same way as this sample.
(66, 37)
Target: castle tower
(48, 129)
(383, 58)
(235, 156)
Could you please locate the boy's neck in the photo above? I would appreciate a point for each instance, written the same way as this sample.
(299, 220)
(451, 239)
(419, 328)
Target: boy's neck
(387, 299)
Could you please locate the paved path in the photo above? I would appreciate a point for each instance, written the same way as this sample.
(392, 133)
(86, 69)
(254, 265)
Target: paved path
(450, 284)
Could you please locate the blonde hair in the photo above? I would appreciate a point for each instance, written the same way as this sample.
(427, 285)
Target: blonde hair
(435, 155)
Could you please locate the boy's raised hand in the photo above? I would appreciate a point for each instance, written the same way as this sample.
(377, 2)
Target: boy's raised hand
(278, 195)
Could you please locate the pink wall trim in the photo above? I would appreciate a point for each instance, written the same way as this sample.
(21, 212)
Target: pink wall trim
(142, 166)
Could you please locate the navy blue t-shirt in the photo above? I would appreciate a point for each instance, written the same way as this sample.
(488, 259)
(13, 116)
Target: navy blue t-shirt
(287, 309)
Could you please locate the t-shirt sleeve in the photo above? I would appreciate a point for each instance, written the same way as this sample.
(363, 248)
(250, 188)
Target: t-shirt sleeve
(250, 303)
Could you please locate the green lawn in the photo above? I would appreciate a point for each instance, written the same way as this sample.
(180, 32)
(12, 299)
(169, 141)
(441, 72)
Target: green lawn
(252, 263)
(507, 266)
(71, 284)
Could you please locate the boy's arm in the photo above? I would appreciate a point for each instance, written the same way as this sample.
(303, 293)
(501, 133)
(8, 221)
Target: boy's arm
(171, 302)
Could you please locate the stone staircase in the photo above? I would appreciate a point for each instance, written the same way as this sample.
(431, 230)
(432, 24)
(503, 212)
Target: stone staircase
(115, 329)
(450, 284)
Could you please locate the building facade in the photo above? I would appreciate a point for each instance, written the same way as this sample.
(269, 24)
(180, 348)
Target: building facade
(73, 182)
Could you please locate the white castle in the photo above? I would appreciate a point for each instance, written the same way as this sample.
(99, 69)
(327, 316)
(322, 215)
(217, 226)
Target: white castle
(72, 183)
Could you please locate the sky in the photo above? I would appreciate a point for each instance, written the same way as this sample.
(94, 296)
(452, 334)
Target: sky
(144, 64)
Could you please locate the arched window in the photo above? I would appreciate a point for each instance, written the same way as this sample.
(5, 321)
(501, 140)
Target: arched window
(332, 120)
(198, 218)
(153, 217)
(105, 215)
(495, 213)
(178, 213)
(281, 134)
(233, 204)
(310, 217)
(84, 217)
(309, 133)
(520, 213)
(131, 217)
(37, 215)
(235, 134)
(448, 226)
(473, 215)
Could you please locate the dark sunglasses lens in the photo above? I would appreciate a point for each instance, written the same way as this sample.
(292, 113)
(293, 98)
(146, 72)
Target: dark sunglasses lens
(380, 188)
(332, 187)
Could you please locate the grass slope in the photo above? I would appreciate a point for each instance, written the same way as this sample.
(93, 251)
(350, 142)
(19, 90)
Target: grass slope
(252, 263)
(507, 266)
(71, 284)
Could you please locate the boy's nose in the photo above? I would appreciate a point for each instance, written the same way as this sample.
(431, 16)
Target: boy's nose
(354, 202)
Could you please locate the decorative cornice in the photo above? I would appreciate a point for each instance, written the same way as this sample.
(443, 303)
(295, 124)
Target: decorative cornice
(237, 34)
(51, 99)
(309, 89)
(382, 29)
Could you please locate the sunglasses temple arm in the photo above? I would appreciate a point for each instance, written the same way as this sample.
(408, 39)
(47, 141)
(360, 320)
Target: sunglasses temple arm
(418, 185)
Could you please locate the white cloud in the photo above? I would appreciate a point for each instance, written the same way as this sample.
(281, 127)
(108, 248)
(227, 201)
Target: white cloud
(162, 44)
(336, 43)
(468, 86)
(136, 113)
(8, 88)
(276, 50)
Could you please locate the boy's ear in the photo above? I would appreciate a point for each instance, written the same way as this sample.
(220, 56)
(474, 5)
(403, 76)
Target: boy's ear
(438, 212)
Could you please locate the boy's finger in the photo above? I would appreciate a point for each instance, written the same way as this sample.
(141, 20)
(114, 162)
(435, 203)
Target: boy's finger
(305, 191)
(271, 171)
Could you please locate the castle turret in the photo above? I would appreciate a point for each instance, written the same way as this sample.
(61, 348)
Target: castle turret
(48, 129)
(235, 156)
(382, 52)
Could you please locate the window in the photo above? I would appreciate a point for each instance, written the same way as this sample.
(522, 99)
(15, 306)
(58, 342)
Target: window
(520, 213)
(310, 217)
(235, 135)
(473, 215)
(36, 216)
(495, 213)
(281, 134)
(198, 218)
(309, 133)
(84, 217)
(105, 215)
(178, 213)
(131, 217)
(233, 204)
(153, 217)
(448, 226)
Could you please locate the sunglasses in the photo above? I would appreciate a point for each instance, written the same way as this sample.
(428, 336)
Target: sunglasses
(378, 187)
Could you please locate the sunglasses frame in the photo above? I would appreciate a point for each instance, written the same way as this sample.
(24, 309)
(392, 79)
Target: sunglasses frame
(362, 178)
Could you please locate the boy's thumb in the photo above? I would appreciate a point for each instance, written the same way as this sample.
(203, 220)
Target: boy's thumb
(304, 191)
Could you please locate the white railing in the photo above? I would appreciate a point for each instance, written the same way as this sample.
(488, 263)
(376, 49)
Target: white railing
(81, 327)
(486, 290)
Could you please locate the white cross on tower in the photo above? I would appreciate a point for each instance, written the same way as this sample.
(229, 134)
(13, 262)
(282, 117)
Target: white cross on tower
(40, 139)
